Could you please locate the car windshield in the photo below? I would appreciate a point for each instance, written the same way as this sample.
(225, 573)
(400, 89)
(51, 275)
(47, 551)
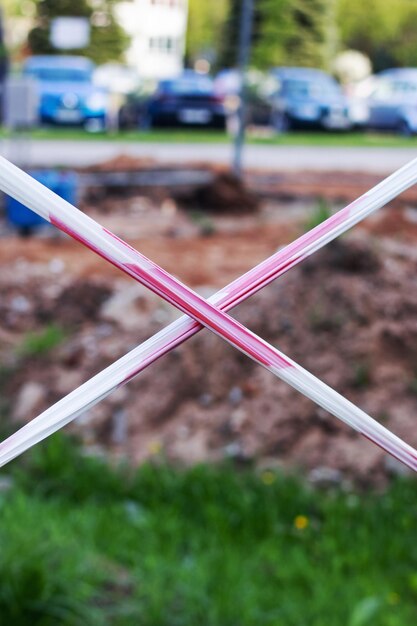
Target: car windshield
(201, 85)
(310, 88)
(60, 74)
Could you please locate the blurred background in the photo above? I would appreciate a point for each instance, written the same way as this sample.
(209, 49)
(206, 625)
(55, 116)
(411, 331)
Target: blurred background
(208, 135)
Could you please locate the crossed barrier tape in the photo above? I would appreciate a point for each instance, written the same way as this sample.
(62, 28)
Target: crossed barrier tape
(211, 313)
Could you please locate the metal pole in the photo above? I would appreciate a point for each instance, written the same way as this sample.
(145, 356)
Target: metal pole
(3, 64)
(245, 36)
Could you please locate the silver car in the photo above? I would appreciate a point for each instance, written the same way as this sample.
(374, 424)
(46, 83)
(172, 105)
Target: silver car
(392, 102)
(308, 98)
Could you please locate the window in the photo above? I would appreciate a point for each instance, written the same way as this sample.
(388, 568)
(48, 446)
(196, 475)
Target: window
(384, 90)
(168, 3)
(165, 45)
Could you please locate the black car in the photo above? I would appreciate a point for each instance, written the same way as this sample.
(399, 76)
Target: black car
(189, 100)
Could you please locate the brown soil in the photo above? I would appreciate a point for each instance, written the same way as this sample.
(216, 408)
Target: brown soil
(213, 260)
(227, 191)
(348, 315)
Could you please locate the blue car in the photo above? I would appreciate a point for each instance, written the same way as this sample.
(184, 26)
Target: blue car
(308, 98)
(67, 93)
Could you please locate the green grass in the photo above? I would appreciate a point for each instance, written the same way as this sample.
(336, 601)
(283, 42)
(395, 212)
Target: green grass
(352, 139)
(82, 543)
(320, 213)
(42, 342)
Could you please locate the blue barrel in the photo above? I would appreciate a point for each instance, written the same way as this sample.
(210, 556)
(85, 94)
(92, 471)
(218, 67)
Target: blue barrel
(64, 184)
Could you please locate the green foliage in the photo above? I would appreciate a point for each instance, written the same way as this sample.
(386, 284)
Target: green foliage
(385, 30)
(40, 343)
(30, 590)
(294, 32)
(205, 29)
(286, 32)
(54, 8)
(205, 224)
(16, 8)
(361, 375)
(83, 543)
(321, 212)
(108, 39)
(59, 468)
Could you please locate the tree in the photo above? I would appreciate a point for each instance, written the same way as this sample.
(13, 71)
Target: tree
(204, 30)
(18, 8)
(295, 32)
(108, 40)
(384, 30)
(286, 32)
(3, 55)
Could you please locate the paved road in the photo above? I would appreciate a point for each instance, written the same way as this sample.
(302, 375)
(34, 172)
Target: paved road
(281, 158)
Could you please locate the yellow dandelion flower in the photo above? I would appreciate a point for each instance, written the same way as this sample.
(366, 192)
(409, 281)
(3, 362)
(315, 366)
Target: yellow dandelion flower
(268, 477)
(154, 447)
(301, 522)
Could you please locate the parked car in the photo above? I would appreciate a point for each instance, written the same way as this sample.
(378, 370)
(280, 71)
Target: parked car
(392, 101)
(67, 93)
(189, 100)
(308, 98)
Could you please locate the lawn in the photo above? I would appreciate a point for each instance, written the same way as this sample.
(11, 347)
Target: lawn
(352, 139)
(85, 544)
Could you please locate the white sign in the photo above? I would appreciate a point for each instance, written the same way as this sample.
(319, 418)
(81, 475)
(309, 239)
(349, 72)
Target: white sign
(69, 33)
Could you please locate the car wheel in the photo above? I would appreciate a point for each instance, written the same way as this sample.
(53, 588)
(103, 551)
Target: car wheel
(281, 122)
(404, 129)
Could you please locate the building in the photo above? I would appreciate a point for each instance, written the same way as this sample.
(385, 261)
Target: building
(158, 29)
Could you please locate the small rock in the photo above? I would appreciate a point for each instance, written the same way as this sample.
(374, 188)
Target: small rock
(235, 396)
(233, 450)
(56, 266)
(29, 400)
(119, 427)
(128, 308)
(104, 330)
(169, 207)
(325, 477)
(20, 304)
(205, 400)
(6, 483)
(237, 419)
(183, 432)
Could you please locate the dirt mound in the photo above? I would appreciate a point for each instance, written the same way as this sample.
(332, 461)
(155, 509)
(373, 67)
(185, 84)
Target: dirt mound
(347, 315)
(226, 193)
(222, 193)
(122, 162)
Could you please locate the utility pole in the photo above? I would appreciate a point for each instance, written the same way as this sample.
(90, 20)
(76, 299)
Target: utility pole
(3, 64)
(245, 36)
